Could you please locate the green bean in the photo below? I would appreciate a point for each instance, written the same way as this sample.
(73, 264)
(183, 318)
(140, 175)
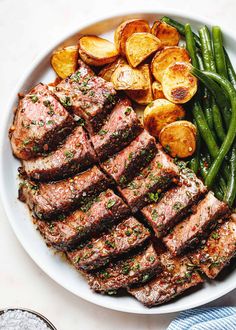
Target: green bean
(194, 162)
(207, 53)
(180, 28)
(217, 120)
(226, 145)
(230, 192)
(219, 51)
(230, 69)
(190, 44)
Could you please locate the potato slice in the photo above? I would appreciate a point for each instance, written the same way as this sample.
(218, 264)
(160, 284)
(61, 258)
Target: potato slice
(166, 57)
(97, 51)
(157, 90)
(109, 69)
(168, 35)
(179, 138)
(139, 46)
(160, 113)
(126, 29)
(178, 84)
(127, 78)
(143, 96)
(64, 61)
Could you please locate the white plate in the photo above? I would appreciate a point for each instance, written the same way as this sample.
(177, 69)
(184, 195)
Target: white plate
(18, 215)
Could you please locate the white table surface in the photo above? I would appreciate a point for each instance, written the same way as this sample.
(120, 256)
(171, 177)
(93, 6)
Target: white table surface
(26, 27)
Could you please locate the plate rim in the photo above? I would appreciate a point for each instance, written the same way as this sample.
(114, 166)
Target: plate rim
(158, 10)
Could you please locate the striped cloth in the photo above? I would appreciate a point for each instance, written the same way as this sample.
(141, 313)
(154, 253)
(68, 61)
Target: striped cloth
(214, 318)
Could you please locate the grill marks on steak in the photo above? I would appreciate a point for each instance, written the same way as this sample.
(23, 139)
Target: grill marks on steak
(190, 231)
(47, 200)
(138, 268)
(75, 155)
(40, 123)
(127, 235)
(121, 127)
(123, 166)
(175, 203)
(89, 96)
(145, 187)
(67, 232)
(218, 249)
(178, 275)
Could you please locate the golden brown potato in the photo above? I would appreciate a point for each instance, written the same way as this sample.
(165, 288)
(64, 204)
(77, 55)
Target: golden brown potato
(64, 61)
(126, 29)
(108, 70)
(160, 113)
(166, 57)
(127, 78)
(178, 84)
(97, 51)
(168, 35)
(139, 46)
(157, 90)
(179, 138)
(143, 96)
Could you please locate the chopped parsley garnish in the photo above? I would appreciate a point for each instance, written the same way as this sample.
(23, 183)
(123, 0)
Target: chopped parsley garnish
(46, 103)
(110, 244)
(126, 269)
(34, 98)
(151, 104)
(102, 132)
(215, 235)
(153, 197)
(168, 148)
(69, 154)
(35, 149)
(25, 142)
(128, 111)
(177, 206)
(50, 122)
(152, 259)
(66, 102)
(110, 203)
(128, 232)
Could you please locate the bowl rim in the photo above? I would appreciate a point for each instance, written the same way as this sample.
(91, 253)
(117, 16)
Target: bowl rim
(158, 10)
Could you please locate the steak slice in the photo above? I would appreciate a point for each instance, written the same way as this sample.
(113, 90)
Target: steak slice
(218, 249)
(67, 232)
(75, 155)
(145, 187)
(138, 268)
(175, 203)
(47, 200)
(190, 231)
(123, 166)
(88, 96)
(121, 127)
(40, 123)
(178, 275)
(127, 235)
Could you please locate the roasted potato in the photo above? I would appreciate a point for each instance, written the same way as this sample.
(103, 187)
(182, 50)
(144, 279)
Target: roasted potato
(126, 29)
(178, 84)
(179, 138)
(143, 96)
(157, 90)
(127, 78)
(139, 46)
(168, 35)
(64, 61)
(108, 70)
(97, 51)
(160, 113)
(166, 57)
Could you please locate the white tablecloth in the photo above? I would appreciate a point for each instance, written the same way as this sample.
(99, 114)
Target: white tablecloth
(26, 27)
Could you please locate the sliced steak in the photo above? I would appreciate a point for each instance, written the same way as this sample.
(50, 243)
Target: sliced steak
(87, 95)
(123, 166)
(218, 249)
(47, 200)
(138, 268)
(40, 123)
(75, 155)
(67, 232)
(121, 127)
(175, 203)
(190, 231)
(145, 187)
(127, 235)
(178, 275)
